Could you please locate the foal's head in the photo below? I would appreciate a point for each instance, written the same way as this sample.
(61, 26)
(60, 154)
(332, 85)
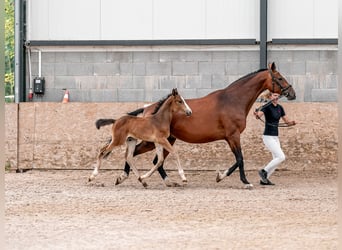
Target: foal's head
(179, 104)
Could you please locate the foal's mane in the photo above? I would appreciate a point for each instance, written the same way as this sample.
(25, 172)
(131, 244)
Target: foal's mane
(160, 103)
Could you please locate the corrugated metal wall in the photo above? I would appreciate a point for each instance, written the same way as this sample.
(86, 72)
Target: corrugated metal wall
(178, 19)
(121, 72)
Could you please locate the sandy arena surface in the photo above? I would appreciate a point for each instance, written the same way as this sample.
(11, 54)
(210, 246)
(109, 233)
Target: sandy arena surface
(59, 210)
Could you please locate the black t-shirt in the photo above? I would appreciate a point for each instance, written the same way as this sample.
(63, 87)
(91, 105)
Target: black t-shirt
(272, 116)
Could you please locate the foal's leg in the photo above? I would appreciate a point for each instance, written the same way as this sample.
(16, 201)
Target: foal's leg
(234, 144)
(103, 153)
(168, 147)
(130, 146)
(131, 143)
(141, 148)
(159, 148)
(159, 152)
(144, 147)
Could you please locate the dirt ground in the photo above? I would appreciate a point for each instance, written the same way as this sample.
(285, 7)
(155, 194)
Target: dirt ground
(59, 210)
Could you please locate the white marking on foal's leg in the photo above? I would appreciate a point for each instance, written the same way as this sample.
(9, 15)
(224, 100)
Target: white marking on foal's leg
(93, 174)
(180, 169)
(96, 170)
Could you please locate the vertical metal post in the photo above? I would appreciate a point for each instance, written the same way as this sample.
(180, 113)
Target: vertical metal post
(2, 123)
(263, 34)
(19, 56)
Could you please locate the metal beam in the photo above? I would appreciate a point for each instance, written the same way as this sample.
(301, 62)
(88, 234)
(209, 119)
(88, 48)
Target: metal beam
(310, 41)
(263, 34)
(19, 57)
(141, 42)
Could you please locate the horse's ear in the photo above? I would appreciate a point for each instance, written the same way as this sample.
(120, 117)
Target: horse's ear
(174, 92)
(272, 66)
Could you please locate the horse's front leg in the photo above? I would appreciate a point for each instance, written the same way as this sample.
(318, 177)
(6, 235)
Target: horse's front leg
(236, 149)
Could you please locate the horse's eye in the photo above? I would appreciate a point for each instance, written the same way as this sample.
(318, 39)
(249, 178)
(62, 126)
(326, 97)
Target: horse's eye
(280, 79)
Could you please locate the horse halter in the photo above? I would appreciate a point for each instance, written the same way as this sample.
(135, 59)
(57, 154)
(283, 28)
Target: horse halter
(283, 91)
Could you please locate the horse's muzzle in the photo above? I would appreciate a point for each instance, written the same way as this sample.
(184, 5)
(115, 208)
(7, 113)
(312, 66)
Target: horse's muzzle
(188, 113)
(291, 97)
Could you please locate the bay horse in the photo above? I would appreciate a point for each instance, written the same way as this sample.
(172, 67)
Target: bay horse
(154, 129)
(221, 115)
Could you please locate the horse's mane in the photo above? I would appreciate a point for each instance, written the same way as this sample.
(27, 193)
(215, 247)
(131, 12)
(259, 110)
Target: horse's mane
(246, 76)
(160, 103)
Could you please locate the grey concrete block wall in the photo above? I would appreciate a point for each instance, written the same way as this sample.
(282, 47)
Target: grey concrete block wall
(312, 71)
(145, 76)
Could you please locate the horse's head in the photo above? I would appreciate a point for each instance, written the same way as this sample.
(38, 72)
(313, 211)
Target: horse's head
(179, 103)
(278, 84)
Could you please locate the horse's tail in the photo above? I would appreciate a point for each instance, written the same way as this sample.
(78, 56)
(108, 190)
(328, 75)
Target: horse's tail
(103, 122)
(136, 112)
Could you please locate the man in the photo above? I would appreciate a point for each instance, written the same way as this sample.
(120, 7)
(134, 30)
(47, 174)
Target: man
(272, 112)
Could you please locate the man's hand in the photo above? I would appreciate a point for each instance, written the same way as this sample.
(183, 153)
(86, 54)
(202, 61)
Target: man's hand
(291, 123)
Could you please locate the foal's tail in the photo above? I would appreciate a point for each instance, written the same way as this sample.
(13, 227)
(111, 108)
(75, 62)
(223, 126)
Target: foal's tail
(103, 122)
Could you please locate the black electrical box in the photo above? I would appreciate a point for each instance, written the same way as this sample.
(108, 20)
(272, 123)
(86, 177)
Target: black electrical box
(39, 85)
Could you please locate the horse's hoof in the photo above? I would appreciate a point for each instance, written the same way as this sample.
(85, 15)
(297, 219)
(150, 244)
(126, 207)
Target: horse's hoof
(90, 179)
(169, 183)
(249, 186)
(219, 177)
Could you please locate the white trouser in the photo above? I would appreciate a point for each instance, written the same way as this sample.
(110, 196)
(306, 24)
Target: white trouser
(273, 145)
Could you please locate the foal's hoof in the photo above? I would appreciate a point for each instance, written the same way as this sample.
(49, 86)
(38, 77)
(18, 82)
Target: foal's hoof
(142, 182)
(121, 179)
